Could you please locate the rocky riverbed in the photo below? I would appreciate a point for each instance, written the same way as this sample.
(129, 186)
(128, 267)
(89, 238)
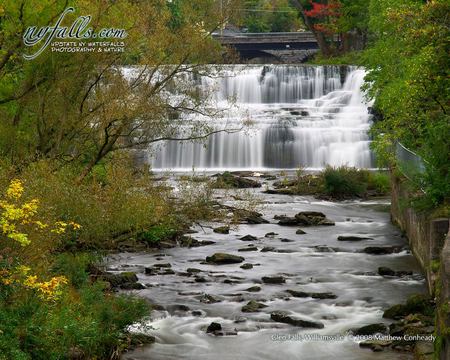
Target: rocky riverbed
(255, 291)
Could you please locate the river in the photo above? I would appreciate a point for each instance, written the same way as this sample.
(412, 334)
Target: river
(304, 116)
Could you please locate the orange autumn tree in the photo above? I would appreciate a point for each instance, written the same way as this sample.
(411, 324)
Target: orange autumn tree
(17, 218)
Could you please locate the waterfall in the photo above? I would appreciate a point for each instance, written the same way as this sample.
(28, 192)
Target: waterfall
(308, 116)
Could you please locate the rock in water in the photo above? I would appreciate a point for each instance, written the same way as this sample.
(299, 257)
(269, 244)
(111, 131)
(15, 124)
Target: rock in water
(246, 266)
(353, 238)
(286, 318)
(222, 229)
(224, 258)
(213, 327)
(372, 329)
(248, 238)
(273, 279)
(300, 232)
(253, 306)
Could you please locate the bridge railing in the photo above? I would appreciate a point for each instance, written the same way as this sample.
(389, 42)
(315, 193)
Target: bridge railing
(409, 163)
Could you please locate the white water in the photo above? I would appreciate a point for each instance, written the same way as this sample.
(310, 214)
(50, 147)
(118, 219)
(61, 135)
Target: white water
(302, 116)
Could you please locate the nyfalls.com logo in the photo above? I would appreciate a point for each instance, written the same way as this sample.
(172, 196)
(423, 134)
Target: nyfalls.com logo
(77, 37)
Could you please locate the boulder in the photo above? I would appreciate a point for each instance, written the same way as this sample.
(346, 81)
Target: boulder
(253, 306)
(248, 248)
(267, 249)
(286, 318)
(248, 238)
(381, 250)
(288, 221)
(228, 180)
(372, 329)
(222, 229)
(270, 234)
(224, 258)
(246, 266)
(213, 327)
(277, 279)
(353, 238)
(312, 218)
(254, 289)
(208, 299)
(300, 232)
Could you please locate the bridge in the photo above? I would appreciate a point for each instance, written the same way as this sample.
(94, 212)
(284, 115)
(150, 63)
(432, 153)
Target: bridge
(256, 44)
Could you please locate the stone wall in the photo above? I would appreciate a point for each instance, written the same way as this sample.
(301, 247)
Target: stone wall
(429, 239)
(426, 235)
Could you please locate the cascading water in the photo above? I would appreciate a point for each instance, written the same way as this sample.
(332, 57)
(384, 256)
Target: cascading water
(308, 116)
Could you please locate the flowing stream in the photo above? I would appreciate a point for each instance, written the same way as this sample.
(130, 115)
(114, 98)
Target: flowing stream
(307, 116)
(313, 262)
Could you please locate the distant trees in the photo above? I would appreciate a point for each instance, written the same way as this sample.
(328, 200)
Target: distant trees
(270, 16)
(338, 25)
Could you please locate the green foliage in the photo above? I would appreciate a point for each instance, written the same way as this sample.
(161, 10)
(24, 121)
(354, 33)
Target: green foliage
(156, 234)
(270, 16)
(379, 182)
(344, 182)
(88, 320)
(74, 266)
(407, 66)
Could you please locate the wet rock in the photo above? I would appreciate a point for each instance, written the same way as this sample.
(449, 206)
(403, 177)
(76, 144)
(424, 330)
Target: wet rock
(300, 294)
(253, 306)
(168, 272)
(178, 307)
(228, 180)
(324, 295)
(300, 232)
(270, 234)
(150, 271)
(117, 280)
(246, 266)
(200, 279)
(209, 299)
(254, 289)
(375, 345)
(323, 248)
(240, 319)
(286, 318)
(286, 240)
(273, 279)
(193, 270)
(222, 229)
(224, 258)
(385, 271)
(353, 238)
(248, 238)
(196, 313)
(187, 241)
(213, 327)
(162, 265)
(267, 249)
(419, 303)
(254, 219)
(132, 286)
(288, 221)
(312, 218)
(249, 248)
(381, 250)
(372, 329)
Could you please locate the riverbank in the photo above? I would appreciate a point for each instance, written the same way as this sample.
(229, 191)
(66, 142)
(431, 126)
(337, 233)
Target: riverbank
(428, 236)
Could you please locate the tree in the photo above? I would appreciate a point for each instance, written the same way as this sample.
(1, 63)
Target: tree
(407, 66)
(338, 25)
(82, 106)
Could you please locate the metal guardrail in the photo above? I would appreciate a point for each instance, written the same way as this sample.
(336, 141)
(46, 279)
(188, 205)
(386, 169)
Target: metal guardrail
(410, 164)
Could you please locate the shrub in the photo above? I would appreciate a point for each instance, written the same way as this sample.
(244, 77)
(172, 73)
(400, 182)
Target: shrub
(344, 182)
